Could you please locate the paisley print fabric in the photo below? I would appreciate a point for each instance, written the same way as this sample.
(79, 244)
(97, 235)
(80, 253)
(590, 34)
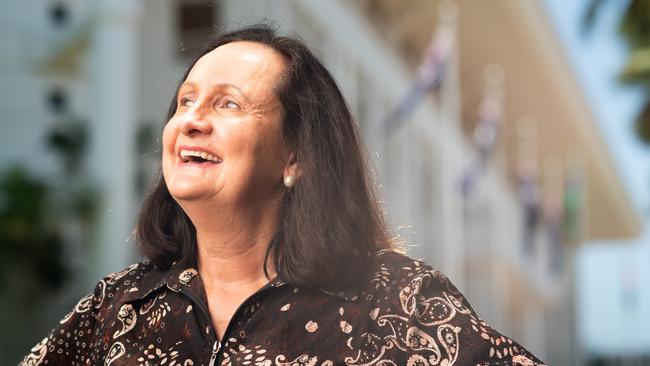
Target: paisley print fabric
(408, 314)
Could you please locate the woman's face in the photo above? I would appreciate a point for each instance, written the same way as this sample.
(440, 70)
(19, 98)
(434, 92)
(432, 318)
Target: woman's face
(224, 143)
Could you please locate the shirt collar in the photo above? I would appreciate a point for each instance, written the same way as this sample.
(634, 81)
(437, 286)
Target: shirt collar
(182, 274)
(150, 283)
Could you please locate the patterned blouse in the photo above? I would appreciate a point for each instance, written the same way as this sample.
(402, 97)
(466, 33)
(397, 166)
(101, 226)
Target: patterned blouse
(408, 314)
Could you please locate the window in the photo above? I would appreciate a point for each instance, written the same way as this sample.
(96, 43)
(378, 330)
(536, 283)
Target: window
(57, 101)
(59, 14)
(195, 24)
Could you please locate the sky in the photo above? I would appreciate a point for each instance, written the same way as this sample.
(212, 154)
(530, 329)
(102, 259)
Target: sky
(597, 58)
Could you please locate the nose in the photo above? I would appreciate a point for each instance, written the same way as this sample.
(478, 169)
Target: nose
(195, 124)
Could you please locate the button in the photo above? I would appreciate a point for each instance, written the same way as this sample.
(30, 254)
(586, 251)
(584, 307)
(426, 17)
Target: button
(186, 276)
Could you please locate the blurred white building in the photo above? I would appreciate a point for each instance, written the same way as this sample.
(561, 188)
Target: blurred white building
(614, 298)
(115, 64)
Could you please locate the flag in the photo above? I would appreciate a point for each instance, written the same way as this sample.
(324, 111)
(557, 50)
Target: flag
(429, 76)
(487, 129)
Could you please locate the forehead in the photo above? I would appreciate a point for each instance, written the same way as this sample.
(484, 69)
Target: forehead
(250, 66)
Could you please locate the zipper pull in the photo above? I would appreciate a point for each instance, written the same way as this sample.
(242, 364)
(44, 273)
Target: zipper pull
(215, 349)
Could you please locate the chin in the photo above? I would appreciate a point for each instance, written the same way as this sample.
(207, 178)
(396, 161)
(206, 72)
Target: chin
(186, 192)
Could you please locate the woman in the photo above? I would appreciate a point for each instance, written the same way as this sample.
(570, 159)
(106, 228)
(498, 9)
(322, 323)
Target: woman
(265, 242)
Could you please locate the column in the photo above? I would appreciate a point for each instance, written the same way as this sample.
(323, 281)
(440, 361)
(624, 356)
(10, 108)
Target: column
(113, 117)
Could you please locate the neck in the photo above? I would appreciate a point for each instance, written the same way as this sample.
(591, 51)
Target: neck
(231, 249)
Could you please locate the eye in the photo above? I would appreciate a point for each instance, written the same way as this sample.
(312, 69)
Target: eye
(186, 102)
(229, 104)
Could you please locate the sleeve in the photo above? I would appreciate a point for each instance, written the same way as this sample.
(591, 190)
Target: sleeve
(445, 327)
(74, 339)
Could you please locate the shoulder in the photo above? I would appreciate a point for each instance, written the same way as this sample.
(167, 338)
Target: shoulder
(114, 286)
(400, 274)
(130, 276)
(81, 325)
(421, 311)
(410, 288)
(135, 281)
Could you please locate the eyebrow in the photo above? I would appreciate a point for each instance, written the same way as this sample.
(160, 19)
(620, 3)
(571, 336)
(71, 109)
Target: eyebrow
(190, 84)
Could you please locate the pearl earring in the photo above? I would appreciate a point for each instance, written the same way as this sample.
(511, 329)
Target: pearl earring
(289, 181)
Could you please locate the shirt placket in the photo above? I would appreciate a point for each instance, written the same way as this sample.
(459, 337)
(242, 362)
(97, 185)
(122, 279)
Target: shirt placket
(192, 288)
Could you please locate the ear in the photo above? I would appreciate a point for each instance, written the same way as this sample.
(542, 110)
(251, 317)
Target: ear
(291, 168)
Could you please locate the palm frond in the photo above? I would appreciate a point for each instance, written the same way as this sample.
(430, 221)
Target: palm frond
(637, 68)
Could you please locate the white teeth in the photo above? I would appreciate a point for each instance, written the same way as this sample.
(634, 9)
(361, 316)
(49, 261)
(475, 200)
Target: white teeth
(185, 154)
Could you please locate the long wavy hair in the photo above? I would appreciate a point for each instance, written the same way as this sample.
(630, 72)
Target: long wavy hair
(331, 225)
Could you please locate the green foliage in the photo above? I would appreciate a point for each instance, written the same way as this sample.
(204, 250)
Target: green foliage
(635, 24)
(642, 124)
(637, 69)
(634, 27)
(34, 212)
(31, 248)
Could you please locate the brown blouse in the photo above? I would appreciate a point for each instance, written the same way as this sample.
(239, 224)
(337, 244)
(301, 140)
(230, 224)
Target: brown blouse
(408, 314)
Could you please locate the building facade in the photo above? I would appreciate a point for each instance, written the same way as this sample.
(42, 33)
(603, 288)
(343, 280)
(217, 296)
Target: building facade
(113, 65)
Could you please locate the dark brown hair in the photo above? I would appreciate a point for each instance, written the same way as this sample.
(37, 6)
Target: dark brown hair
(331, 225)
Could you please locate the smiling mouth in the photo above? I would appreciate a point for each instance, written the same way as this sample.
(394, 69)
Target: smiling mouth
(200, 157)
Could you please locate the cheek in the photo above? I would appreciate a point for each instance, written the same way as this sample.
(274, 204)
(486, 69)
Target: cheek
(264, 143)
(253, 154)
(270, 153)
